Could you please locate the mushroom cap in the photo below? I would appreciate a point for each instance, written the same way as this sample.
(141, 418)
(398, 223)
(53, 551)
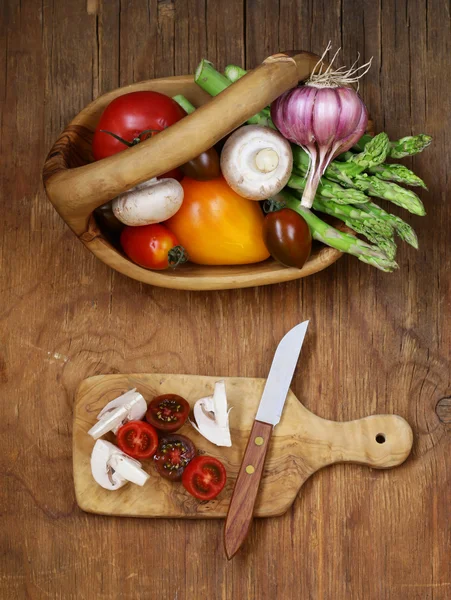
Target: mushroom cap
(135, 402)
(150, 202)
(131, 406)
(211, 416)
(104, 476)
(250, 165)
(112, 468)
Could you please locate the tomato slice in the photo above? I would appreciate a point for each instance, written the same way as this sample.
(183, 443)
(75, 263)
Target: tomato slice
(204, 477)
(173, 455)
(167, 412)
(137, 439)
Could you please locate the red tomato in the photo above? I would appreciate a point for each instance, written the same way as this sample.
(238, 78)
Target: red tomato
(204, 477)
(167, 412)
(134, 117)
(137, 439)
(173, 455)
(152, 247)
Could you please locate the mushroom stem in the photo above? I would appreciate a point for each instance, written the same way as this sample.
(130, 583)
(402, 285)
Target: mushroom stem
(267, 160)
(256, 162)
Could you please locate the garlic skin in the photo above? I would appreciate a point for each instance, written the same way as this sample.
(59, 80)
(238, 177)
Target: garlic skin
(112, 469)
(212, 417)
(131, 406)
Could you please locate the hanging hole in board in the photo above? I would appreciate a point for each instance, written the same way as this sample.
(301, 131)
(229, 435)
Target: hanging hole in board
(380, 438)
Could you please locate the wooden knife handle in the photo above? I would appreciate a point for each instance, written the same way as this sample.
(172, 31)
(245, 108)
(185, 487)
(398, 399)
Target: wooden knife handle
(241, 508)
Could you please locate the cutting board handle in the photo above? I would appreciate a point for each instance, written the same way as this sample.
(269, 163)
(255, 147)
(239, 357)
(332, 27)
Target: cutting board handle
(378, 441)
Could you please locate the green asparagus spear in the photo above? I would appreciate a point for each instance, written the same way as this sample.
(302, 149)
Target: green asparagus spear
(410, 145)
(209, 79)
(346, 212)
(234, 72)
(329, 189)
(344, 242)
(386, 244)
(406, 146)
(397, 173)
(375, 153)
(184, 103)
(213, 82)
(390, 191)
(403, 229)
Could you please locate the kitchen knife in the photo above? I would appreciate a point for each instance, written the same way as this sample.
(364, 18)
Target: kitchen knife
(241, 508)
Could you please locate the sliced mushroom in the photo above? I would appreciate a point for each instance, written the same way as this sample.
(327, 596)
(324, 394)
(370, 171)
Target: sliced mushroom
(131, 406)
(112, 469)
(256, 162)
(212, 417)
(150, 202)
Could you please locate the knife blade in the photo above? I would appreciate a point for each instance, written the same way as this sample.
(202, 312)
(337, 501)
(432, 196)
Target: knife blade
(241, 508)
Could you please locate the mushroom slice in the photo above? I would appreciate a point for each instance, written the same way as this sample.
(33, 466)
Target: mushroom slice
(150, 202)
(256, 162)
(112, 469)
(131, 406)
(212, 417)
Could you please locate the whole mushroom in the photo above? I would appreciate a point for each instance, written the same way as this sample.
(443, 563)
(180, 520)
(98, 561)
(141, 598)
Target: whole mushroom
(256, 162)
(150, 202)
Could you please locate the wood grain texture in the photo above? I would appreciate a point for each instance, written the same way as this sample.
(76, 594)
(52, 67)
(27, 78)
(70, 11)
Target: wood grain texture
(377, 343)
(303, 443)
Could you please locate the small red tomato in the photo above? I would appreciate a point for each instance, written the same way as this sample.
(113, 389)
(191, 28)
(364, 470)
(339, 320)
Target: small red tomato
(204, 477)
(173, 455)
(137, 439)
(152, 247)
(167, 412)
(287, 237)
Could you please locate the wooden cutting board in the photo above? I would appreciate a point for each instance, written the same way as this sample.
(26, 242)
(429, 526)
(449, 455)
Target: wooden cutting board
(301, 444)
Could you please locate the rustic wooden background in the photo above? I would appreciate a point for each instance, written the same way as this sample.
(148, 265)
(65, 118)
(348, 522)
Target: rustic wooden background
(377, 342)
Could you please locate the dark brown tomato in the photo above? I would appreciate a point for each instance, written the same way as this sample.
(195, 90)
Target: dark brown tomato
(107, 220)
(167, 412)
(287, 237)
(204, 167)
(173, 454)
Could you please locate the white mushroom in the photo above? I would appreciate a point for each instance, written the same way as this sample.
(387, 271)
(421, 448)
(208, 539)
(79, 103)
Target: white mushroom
(150, 202)
(256, 162)
(112, 469)
(212, 417)
(131, 406)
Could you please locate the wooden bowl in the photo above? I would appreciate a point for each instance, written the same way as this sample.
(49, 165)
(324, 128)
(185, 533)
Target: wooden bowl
(76, 185)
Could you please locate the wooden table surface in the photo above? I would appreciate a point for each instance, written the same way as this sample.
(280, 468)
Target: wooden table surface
(377, 342)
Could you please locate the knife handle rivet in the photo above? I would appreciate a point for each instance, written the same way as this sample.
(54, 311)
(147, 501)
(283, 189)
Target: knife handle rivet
(259, 441)
(250, 469)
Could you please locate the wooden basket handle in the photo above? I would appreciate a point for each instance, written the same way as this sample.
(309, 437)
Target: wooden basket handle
(76, 192)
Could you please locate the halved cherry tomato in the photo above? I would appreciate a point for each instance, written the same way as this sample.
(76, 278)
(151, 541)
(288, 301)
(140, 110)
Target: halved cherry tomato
(134, 117)
(173, 455)
(137, 439)
(152, 247)
(204, 477)
(167, 412)
(287, 236)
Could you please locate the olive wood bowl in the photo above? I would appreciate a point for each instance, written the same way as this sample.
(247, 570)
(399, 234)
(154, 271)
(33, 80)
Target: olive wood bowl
(76, 185)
